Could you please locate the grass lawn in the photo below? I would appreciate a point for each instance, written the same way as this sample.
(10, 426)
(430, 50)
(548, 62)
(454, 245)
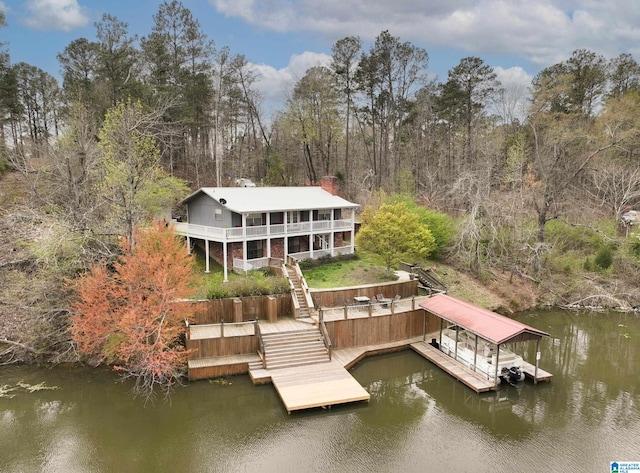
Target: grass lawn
(366, 270)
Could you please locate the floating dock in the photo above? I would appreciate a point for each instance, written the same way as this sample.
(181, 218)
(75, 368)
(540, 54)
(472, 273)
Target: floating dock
(319, 385)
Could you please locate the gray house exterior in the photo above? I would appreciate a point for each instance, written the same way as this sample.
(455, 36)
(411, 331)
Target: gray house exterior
(242, 228)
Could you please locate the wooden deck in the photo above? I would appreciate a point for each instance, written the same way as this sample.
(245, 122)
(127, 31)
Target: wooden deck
(530, 371)
(454, 368)
(202, 332)
(318, 385)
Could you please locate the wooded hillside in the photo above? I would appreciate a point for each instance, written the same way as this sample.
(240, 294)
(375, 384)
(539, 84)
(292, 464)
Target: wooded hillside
(536, 179)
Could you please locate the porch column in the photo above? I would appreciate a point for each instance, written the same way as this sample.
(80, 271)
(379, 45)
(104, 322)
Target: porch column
(332, 224)
(311, 245)
(225, 263)
(206, 252)
(244, 242)
(188, 245)
(353, 230)
(268, 234)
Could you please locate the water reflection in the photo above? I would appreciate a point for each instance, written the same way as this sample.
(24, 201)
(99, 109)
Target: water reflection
(418, 419)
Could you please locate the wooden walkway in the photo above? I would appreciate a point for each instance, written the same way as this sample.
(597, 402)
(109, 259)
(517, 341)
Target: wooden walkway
(465, 375)
(317, 385)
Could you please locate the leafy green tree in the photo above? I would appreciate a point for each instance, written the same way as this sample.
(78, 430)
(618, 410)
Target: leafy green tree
(315, 119)
(465, 95)
(394, 233)
(440, 225)
(623, 75)
(79, 63)
(133, 182)
(117, 61)
(344, 55)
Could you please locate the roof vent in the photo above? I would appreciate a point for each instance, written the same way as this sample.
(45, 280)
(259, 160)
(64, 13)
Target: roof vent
(223, 201)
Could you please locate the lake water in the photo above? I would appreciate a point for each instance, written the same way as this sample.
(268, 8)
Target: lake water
(418, 420)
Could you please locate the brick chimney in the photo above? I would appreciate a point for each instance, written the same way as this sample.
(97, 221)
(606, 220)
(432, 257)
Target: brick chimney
(330, 184)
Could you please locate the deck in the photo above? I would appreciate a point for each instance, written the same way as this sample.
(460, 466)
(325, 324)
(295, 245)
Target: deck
(469, 377)
(530, 372)
(319, 385)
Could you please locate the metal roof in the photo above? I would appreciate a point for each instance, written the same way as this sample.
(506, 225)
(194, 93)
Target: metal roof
(272, 199)
(491, 326)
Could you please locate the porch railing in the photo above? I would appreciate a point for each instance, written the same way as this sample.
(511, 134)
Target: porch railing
(238, 233)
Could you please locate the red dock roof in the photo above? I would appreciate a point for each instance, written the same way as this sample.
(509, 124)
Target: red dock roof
(491, 326)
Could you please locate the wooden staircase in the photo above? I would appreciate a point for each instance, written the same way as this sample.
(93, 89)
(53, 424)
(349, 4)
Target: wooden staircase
(298, 348)
(298, 292)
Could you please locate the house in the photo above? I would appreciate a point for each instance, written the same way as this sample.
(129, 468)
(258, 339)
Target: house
(243, 227)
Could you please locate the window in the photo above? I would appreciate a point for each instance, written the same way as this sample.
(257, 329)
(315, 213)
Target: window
(292, 217)
(254, 220)
(255, 249)
(217, 214)
(294, 245)
(324, 214)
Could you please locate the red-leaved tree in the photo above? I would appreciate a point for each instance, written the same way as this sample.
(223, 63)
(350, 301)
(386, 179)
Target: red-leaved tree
(128, 316)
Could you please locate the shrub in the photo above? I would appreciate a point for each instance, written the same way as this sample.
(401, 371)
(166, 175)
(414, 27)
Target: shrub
(254, 283)
(604, 258)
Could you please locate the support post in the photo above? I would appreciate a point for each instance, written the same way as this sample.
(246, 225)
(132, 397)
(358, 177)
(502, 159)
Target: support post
(206, 252)
(535, 372)
(497, 362)
(475, 354)
(455, 350)
(224, 261)
(346, 312)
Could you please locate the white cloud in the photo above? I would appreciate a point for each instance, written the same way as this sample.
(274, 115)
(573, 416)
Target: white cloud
(543, 31)
(513, 102)
(275, 85)
(62, 15)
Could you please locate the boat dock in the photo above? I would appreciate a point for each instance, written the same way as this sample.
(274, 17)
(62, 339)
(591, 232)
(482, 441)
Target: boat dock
(530, 372)
(463, 374)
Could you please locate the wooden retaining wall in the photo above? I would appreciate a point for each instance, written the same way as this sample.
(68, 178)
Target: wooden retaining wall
(381, 329)
(241, 309)
(229, 369)
(226, 346)
(338, 297)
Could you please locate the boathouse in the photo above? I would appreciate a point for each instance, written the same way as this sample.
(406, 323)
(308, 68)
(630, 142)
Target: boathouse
(475, 338)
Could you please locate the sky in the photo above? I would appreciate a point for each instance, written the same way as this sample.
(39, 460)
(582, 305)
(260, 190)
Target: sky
(283, 38)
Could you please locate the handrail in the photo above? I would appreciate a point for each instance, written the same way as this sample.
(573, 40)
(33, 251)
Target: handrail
(258, 333)
(303, 282)
(325, 334)
(245, 322)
